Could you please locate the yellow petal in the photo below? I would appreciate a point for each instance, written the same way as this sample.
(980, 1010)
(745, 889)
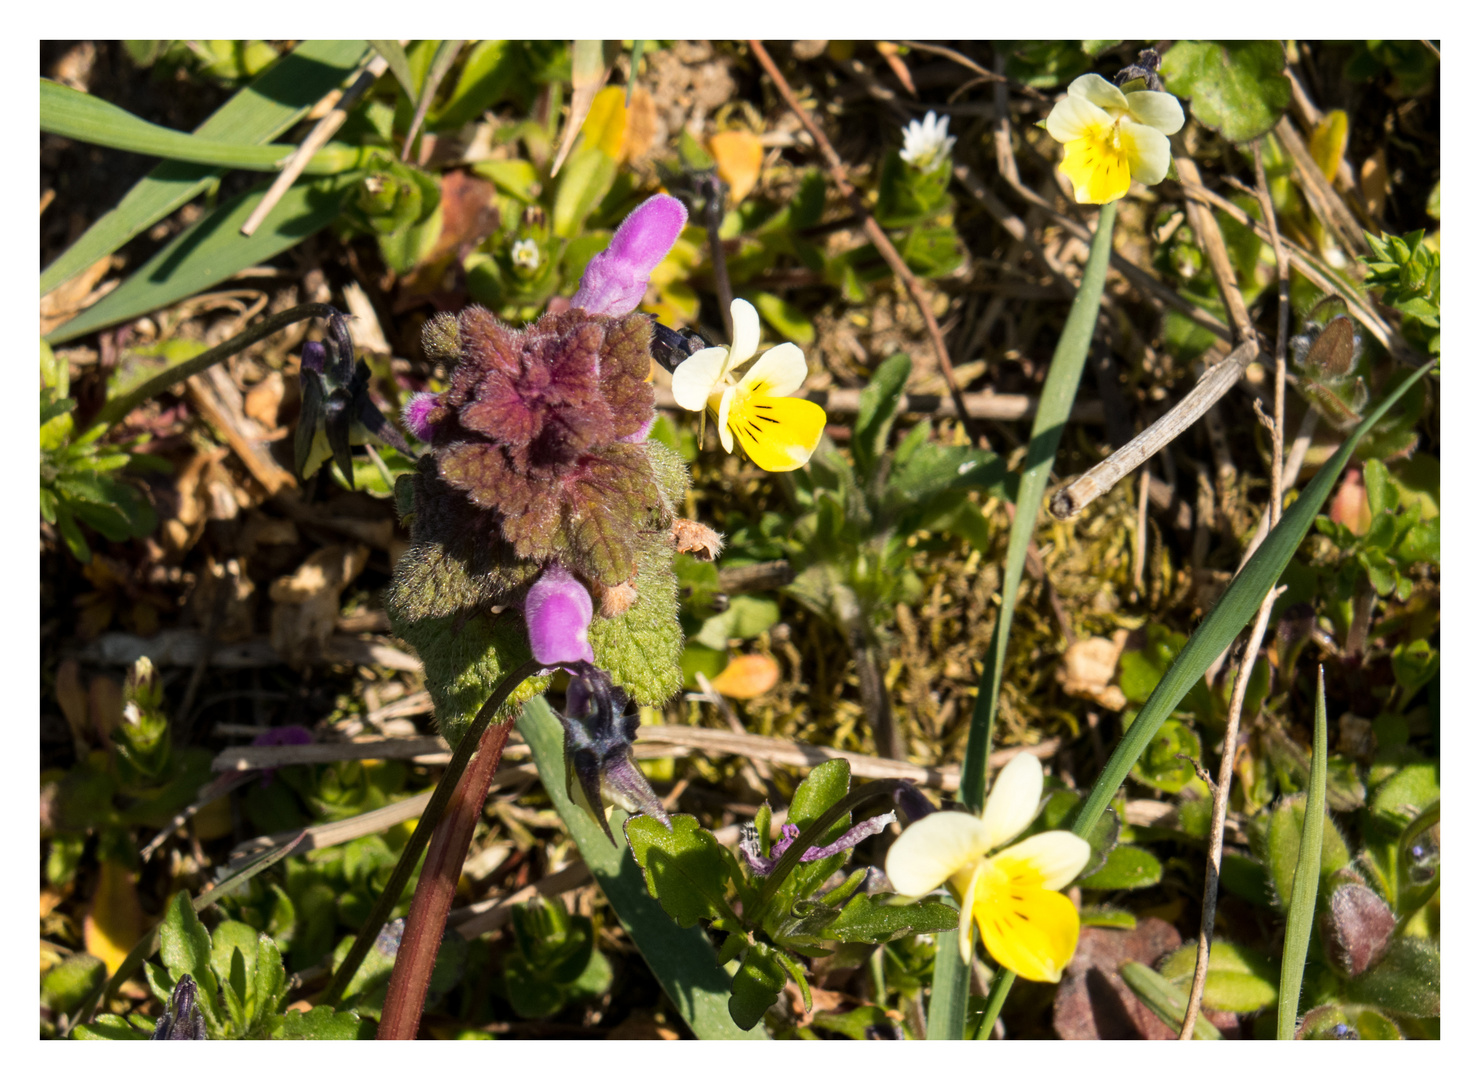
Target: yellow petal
(1013, 803)
(698, 377)
(933, 849)
(747, 333)
(779, 372)
(1053, 858)
(1031, 932)
(1097, 168)
(778, 433)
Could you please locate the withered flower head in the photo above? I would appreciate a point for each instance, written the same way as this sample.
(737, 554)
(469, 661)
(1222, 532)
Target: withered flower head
(598, 748)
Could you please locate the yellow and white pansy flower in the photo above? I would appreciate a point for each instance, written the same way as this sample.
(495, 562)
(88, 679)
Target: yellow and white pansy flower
(1112, 137)
(1029, 927)
(778, 432)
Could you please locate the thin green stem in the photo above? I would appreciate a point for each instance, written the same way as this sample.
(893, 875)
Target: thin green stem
(1307, 874)
(1059, 389)
(411, 853)
(948, 992)
(1004, 982)
(115, 410)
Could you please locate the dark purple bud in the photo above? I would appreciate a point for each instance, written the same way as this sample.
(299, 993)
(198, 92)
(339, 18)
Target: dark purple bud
(1357, 928)
(558, 613)
(289, 735)
(598, 748)
(912, 802)
(415, 412)
(314, 357)
(182, 1019)
(616, 279)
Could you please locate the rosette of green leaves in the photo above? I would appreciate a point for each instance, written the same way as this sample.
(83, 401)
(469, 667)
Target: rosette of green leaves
(79, 478)
(783, 917)
(242, 989)
(401, 206)
(554, 960)
(1407, 271)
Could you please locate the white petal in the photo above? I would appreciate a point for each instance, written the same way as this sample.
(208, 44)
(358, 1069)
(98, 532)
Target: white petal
(1013, 803)
(1147, 152)
(963, 928)
(932, 849)
(1159, 110)
(779, 372)
(1098, 91)
(1074, 118)
(726, 439)
(747, 333)
(1057, 855)
(698, 377)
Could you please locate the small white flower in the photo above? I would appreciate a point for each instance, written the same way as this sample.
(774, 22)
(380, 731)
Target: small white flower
(526, 253)
(926, 143)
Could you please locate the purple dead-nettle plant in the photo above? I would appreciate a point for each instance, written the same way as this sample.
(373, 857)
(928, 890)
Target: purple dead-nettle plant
(544, 519)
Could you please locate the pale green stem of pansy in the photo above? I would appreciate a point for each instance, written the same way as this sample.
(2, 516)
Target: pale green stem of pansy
(949, 991)
(1307, 876)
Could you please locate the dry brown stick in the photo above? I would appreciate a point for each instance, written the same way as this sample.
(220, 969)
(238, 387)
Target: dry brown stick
(1356, 299)
(872, 228)
(1256, 636)
(315, 141)
(1210, 239)
(1327, 205)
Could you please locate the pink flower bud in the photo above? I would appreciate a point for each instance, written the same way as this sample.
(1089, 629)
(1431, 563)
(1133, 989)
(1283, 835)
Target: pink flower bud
(414, 413)
(558, 612)
(616, 279)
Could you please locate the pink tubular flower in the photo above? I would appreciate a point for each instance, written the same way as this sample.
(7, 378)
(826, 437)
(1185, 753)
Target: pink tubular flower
(415, 411)
(616, 279)
(558, 612)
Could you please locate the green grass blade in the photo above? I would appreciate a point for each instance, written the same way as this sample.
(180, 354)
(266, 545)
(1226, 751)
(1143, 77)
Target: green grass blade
(682, 960)
(1232, 613)
(212, 250)
(1168, 1002)
(276, 100)
(76, 115)
(395, 58)
(1307, 876)
(949, 991)
(1059, 388)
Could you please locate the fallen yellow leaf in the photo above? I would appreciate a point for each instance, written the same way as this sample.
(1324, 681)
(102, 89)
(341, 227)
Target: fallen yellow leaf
(747, 677)
(738, 155)
(114, 921)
